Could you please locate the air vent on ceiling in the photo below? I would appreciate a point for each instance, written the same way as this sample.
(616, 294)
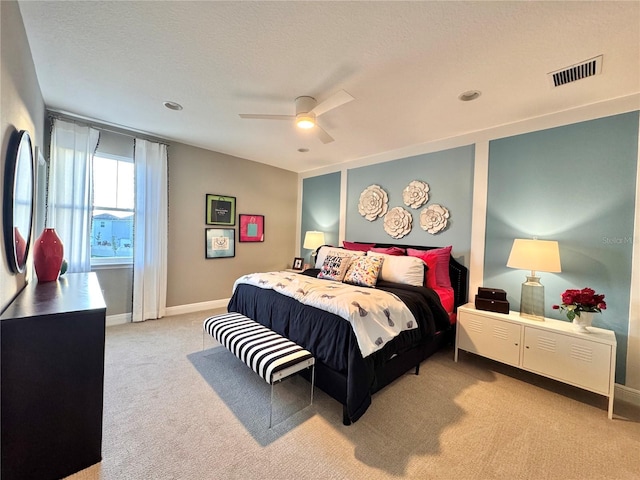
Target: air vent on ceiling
(585, 69)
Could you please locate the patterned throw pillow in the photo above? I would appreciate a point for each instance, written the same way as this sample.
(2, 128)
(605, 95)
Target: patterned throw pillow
(336, 251)
(364, 271)
(334, 267)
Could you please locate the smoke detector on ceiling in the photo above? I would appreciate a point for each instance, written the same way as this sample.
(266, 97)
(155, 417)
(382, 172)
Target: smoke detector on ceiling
(581, 70)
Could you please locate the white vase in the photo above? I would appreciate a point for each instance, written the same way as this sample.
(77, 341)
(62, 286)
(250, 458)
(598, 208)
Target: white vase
(580, 323)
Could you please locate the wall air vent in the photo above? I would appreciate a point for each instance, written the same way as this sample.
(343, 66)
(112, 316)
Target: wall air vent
(585, 69)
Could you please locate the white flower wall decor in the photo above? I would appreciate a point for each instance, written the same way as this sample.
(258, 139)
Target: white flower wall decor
(373, 202)
(416, 194)
(434, 218)
(398, 222)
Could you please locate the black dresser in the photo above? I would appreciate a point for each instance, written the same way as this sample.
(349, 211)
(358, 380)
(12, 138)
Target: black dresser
(52, 377)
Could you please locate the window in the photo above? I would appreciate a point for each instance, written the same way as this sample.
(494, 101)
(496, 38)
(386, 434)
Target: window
(113, 210)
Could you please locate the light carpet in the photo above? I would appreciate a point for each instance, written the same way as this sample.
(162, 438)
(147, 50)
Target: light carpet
(176, 410)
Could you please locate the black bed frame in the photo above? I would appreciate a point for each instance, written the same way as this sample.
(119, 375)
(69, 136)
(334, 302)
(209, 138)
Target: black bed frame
(334, 383)
(457, 272)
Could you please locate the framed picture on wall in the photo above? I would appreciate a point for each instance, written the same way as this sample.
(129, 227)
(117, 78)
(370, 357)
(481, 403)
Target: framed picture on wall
(251, 227)
(219, 242)
(220, 210)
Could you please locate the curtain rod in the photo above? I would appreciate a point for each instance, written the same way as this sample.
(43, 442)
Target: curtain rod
(113, 128)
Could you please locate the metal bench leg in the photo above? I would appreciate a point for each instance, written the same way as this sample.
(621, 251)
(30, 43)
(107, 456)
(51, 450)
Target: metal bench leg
(271, 407)
(313, 379)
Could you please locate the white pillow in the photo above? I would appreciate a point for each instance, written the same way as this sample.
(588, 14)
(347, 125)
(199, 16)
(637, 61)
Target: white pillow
(401, 269)
(335, 251)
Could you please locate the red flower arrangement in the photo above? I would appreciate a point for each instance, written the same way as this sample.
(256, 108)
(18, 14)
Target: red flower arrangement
(585, 300)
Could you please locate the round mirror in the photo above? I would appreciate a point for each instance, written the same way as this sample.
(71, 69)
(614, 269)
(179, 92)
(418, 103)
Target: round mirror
(18, 200)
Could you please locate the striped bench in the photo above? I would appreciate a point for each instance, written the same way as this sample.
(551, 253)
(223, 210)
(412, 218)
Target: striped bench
(266, 352)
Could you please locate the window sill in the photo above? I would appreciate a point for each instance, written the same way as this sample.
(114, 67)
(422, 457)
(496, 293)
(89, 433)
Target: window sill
(111, 263)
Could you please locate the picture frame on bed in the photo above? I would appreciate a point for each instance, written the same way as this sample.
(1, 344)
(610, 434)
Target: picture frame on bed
(220, 210)
(297, 263)
(251, 227)
(220, 243)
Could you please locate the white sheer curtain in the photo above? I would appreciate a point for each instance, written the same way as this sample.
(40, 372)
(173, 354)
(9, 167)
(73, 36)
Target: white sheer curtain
(150, 231)
(70, 190)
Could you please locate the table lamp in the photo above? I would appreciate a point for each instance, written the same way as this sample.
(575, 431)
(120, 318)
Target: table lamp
(313, 240)
(534, 255)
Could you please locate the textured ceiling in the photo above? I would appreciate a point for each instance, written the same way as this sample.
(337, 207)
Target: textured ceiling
(404, 62)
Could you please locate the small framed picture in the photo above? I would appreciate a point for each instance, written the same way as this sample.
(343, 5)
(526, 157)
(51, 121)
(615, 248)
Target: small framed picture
(220, 210)
(219, 242)
(251, 227)
(297, 263)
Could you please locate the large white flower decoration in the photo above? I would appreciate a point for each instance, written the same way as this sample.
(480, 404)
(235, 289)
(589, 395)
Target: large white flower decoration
(434, 218)
(397, 222)
(415, 194)
(373, 202)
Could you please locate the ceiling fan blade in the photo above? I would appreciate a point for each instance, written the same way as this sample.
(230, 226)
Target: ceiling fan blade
(322, 134)
(339, 98)
(266, 117)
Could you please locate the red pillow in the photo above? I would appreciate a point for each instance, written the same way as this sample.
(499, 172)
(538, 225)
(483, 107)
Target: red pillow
(441, 257)
(397, 251)
(430, 274)
(359, 247)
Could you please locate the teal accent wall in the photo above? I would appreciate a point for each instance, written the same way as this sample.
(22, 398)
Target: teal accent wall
(575, 184)
(321, 208)
(449, 174)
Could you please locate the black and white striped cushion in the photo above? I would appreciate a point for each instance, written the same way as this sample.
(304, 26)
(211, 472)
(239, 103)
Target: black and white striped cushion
(263, 350)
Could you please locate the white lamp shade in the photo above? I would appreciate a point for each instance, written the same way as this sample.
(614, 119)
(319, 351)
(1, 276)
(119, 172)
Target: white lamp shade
(535, 255)
(313, 240)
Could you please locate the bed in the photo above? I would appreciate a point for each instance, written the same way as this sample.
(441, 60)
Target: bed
(341, 369)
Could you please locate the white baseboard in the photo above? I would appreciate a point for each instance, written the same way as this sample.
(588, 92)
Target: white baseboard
(197, 307)
(177, 310)
(118, 319)
(626, 394)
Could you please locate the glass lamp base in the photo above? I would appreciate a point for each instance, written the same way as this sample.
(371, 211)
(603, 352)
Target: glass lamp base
(532, 299)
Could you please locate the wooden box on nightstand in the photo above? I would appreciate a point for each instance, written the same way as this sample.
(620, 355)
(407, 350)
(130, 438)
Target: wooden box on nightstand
(551, 348)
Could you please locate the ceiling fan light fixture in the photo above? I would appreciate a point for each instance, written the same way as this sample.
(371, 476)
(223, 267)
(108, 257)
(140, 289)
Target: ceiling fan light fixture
(307, 110)
(306, 120)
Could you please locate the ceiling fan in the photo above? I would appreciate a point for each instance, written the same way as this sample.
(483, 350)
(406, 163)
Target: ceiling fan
(307, 110)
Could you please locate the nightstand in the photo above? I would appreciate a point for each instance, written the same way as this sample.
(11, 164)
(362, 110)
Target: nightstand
(551, 348)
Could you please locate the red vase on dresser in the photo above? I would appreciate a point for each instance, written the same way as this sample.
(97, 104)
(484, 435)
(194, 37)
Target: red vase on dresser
(47, 255)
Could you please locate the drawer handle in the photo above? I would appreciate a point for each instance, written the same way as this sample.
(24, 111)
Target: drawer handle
(527, 346)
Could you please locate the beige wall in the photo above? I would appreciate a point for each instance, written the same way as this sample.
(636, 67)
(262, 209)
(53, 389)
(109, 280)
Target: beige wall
(193, 172)
(258, 188)
(117, 288)
(21, 108)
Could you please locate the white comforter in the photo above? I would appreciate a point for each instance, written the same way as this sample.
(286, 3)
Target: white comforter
(376, 316)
